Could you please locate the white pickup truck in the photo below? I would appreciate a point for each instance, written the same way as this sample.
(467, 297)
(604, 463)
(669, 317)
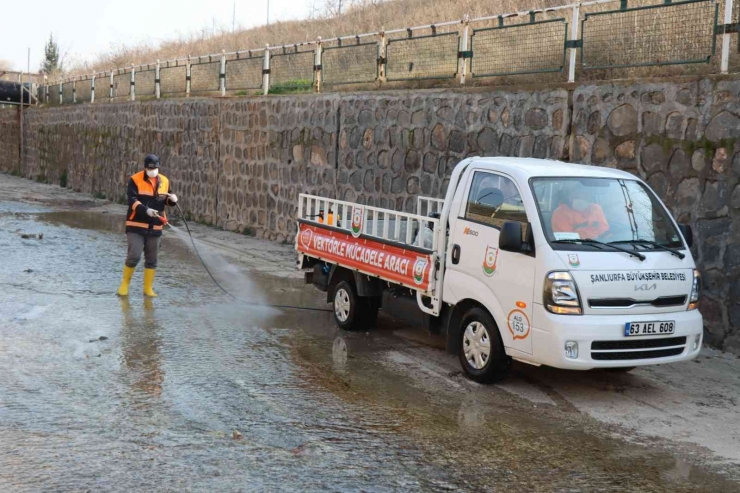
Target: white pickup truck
(543, 262)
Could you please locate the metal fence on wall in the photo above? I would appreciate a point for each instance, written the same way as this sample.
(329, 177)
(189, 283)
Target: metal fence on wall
(350, 64)
(432, 56)
(595, 35)
(146, 81)
(173, 79)
(205, 75)
(292, 70)
(534, 47)
(244, 72)
(666, 34)
(83, 90)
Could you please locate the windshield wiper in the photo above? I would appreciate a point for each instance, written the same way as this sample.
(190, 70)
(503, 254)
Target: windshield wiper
(587, 241)
(654, 244)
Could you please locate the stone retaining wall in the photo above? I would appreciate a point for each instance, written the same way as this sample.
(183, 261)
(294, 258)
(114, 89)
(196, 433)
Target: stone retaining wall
(684, 140)
(9, 141)
(240, 163)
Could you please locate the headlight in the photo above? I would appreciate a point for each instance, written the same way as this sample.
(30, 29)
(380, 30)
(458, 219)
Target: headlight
(695, 291)
(561, 294)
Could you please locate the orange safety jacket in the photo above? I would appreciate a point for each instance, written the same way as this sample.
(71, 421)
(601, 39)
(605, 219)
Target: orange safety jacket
(142, 196)
(589, 224)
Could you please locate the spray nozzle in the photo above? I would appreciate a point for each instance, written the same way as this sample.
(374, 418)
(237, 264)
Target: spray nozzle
(163, 219)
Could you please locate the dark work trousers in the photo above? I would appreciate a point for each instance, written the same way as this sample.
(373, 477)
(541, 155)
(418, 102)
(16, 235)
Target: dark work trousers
(137, 243)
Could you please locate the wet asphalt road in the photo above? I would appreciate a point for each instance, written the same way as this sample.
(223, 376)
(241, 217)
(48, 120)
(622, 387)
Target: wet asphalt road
(103, 394)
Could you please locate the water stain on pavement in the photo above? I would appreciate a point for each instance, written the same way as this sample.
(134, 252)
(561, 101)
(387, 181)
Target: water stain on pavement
(155, 401)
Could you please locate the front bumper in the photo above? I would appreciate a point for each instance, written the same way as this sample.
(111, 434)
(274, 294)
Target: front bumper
(550, 332)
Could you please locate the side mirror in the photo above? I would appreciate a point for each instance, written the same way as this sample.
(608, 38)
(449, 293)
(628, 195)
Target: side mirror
(510, 239)
(687, 234)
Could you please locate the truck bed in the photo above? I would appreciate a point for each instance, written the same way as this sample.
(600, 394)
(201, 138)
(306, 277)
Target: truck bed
(398, 247)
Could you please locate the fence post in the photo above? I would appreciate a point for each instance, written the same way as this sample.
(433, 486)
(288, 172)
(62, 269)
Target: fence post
(381, 55)
(464, 48)
(726, 38)
(573, 37)
(222, 73)
(156, 80)
(110, 89)
(46, 89)
(317, 66)
(187, 78)
(266, 72)
(92, 89)
(61, 95)
(20, 122)
(74, 92)
(133, 83)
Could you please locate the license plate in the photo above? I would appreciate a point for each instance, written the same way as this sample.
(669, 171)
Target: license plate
(649, 328)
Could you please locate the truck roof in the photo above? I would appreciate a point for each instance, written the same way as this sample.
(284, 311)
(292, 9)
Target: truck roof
(525, 168)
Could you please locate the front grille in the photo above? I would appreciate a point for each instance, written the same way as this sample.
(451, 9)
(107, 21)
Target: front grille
(638, 343)
(662, 353)
(660, 302)
(669, 301)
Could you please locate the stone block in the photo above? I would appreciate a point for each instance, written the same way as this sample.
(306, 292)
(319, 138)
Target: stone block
(623, 120)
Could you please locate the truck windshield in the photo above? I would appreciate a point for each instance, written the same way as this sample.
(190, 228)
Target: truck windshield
(604, 209)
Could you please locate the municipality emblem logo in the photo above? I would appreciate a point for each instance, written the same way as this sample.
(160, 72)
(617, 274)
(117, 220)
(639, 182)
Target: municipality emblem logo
(573, 260)
(489, 261)
(306, 236)
(419, 268)
(357, 216)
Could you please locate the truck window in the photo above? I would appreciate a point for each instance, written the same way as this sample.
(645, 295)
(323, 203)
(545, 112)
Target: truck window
(604, 209)
(493, 200)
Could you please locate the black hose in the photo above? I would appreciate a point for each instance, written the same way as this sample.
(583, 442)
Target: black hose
(192, 240)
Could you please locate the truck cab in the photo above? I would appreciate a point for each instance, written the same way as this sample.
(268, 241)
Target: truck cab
(579, 267)
(544, 262)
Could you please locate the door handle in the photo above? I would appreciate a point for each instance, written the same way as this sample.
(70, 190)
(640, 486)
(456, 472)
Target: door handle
(455, 254)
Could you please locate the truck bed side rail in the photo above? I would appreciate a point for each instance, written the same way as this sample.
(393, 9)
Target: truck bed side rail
(427, 205)
(387, 225)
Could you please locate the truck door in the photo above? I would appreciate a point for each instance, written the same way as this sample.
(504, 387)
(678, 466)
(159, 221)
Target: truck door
(476, 268)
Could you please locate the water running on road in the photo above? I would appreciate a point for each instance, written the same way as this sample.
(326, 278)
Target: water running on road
(111, 394)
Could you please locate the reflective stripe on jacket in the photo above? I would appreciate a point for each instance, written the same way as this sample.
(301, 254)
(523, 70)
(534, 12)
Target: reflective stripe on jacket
(142, 196)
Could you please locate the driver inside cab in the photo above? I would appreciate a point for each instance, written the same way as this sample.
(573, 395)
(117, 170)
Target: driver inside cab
(577, 213)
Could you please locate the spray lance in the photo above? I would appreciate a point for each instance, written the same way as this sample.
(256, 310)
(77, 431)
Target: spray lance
(165, 222)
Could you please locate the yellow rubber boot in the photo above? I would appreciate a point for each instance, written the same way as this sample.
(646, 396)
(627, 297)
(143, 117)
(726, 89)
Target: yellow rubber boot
(127, 273)
(149, 282)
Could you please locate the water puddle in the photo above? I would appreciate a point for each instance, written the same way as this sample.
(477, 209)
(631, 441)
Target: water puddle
(86, 220)
(192, 391)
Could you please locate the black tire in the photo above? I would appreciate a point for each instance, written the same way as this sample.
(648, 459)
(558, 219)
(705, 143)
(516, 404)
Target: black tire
(348, 307)
(370, 308)
(497, 364)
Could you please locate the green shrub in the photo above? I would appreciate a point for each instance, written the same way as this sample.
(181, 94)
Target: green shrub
(292, 87)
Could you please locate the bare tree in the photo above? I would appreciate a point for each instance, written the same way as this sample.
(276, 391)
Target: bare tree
(313, 9)
(5, 65)
(334, 8)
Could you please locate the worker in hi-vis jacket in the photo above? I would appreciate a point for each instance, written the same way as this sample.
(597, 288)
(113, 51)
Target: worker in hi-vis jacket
(148, 193)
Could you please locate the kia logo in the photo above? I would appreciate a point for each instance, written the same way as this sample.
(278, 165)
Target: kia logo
(646, 287)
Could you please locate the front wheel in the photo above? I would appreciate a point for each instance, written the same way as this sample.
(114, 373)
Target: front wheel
(482, 353)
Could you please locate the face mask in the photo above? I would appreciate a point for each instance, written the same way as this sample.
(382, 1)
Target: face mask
(580, 205)
(152, 173)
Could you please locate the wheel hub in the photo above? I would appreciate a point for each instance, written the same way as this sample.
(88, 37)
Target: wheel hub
(341, 305)
(476, 345)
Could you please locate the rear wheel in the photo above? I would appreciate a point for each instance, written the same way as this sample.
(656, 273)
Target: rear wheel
(350, 311)
(482, 353)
